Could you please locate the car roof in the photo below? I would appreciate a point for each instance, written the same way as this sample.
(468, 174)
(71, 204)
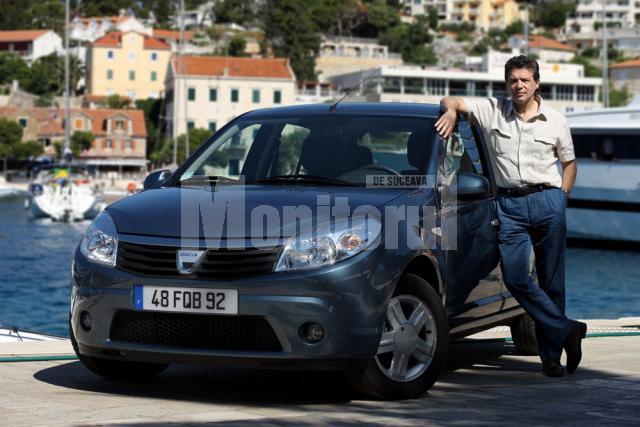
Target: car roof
(348, 108)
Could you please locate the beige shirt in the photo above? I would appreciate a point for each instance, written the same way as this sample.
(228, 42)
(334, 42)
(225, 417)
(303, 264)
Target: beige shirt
(523, 153)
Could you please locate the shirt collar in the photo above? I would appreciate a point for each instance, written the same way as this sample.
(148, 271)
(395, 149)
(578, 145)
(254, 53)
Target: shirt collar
(542, 108)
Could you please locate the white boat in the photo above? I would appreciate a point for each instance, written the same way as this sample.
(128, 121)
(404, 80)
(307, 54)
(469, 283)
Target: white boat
(63, 193)
(6, 192)
(605, 202)
(17, 335)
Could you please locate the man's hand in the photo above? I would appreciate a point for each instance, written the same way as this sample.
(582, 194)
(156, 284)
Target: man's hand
(446, 123)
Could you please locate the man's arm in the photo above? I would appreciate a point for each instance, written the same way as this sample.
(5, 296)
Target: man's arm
(569, 172)
(450, 106)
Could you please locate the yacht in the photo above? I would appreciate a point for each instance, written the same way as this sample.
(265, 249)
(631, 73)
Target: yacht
(63, 193)
(605, 201)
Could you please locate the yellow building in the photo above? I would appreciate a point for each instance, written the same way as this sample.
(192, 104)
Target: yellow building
(128, 64)
(486, 14)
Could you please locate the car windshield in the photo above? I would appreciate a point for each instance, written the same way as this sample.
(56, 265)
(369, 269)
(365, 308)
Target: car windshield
(326, 150)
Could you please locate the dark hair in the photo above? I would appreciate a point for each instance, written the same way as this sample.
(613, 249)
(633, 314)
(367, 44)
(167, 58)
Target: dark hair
(519, 62)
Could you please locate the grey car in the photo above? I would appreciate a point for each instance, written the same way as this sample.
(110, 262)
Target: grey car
(348, 238)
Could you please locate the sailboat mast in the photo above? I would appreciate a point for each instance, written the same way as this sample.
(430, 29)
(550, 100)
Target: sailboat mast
(67, 100)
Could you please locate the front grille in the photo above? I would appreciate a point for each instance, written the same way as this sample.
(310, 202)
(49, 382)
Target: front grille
(195, 331)
(218, 264)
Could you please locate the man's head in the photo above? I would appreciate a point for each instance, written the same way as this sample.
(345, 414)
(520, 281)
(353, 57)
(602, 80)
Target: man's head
(522, 76)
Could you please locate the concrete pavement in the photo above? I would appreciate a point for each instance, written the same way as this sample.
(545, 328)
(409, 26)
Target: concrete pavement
(485, 383)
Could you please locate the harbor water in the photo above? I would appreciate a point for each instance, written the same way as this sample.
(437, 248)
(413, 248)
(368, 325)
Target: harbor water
(35, 268)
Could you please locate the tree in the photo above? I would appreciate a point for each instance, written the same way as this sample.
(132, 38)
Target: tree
(152, 109)
(618, 97)
(589, 69)
(433, 17)
(335, 16)
(292, 33)
(81, 141)
(12, 67)
(410, 41)
(552, 13)
(47, 75)
(10, 136)
(197, 136)
(25, 150)
(379, 17)
(237, 46)
(115, 101)
(238, 11)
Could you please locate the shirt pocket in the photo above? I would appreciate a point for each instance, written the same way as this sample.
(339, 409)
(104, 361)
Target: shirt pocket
(501, 140)
(544, 147)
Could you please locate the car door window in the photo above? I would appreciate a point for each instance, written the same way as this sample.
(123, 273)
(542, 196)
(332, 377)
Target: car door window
(462, 153)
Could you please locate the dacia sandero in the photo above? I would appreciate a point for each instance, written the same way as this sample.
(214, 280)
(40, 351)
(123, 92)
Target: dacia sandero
(349, 237)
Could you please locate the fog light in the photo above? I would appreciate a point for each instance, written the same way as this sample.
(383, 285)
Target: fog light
(312, 333)
(86, 321)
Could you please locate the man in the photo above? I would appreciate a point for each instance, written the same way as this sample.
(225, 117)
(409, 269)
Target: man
(525, 138)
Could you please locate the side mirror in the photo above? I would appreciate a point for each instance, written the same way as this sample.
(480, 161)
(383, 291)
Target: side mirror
(472, 186)
(156, 179)
(469, 186)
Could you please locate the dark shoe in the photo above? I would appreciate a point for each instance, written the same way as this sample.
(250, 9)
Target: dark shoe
(552, 368)
(573, 345)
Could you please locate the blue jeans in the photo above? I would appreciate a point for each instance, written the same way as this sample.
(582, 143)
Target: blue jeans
(537, 220)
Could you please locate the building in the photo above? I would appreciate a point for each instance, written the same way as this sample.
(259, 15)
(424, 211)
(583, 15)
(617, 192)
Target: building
(127, 64)
(422, 7)
(563, 86)
(120, 135)
(547, 50)
(30, 44)
(627, 74)
(202, 16)
(626, 40)
(341, 55)
(212, 90)
(485, 14)
(88, 30)
(588, 16)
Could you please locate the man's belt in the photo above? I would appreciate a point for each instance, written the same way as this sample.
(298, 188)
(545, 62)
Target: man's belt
(523, 191)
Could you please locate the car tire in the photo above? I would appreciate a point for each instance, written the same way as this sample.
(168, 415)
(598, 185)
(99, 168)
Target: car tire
(523, 333)
(116, 369)
(399, 343)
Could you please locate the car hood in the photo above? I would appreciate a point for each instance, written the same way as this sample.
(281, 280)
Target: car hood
(239, 211)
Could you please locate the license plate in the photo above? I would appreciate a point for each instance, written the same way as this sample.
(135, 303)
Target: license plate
(190, 300)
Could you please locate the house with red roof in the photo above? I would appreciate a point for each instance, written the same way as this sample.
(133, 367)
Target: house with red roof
(547, 50)
(30, 44)
(129, 64)
(120, 135)
(208, 91)
(626, 73)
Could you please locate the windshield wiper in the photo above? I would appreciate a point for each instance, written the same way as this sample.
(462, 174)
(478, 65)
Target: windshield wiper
(304, 179)
(207, 179)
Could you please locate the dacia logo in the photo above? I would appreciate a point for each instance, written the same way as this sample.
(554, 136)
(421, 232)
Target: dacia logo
(188, 260)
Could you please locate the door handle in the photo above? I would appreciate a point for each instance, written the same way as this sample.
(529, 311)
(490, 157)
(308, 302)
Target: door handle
(495, 223)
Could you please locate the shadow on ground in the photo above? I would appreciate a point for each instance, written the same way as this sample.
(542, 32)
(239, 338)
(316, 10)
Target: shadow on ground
(209, 384)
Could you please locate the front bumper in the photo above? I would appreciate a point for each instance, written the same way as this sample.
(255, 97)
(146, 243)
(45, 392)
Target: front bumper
(347, 299)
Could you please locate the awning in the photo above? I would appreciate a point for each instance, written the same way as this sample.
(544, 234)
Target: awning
(116, 162)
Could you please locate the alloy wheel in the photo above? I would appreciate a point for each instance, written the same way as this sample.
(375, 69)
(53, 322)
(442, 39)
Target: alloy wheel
(408, 341)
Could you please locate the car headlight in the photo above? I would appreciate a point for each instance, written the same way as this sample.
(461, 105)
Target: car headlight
(100, 242)
(306, 251)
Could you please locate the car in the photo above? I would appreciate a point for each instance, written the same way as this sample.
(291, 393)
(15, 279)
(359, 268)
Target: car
(346, 237)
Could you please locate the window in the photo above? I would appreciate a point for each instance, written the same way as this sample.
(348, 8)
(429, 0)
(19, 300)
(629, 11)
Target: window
(414, 86)
(235, 95)
(392, 85)
(78, 123)
(255, 96)
(191, 94)
(436, 86)
(586, 93)
(119, 125)
(132, 75)
(129, 144)
(108, 143)
(190, 125)
(154, 56)
(109, 74)
(564, 92)
(154, 76)
(132, 56)
(110, 54)
(277, 97)
(212, 126)
(213, 95)
(234, 167)
(606, 146)
(462, 154)
(23, 122)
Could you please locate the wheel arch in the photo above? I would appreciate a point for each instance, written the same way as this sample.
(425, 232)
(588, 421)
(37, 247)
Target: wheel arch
(426, 267)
